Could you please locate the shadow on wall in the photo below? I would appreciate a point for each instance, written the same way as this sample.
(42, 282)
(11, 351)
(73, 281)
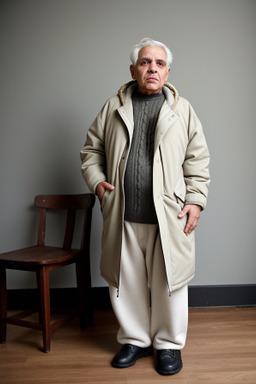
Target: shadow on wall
(58, 166)
(49, 163)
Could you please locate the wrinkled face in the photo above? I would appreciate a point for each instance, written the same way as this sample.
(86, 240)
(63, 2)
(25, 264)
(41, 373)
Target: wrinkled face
(150, 70)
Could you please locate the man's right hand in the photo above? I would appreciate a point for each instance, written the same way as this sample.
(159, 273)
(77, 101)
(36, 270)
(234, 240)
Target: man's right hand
(102, 187)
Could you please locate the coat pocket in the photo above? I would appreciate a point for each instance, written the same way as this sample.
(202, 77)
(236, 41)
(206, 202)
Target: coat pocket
(104, 199)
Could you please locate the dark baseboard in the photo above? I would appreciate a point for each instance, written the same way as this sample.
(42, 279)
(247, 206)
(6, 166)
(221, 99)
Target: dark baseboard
(222, 296)
(60, 297)
(199, 296)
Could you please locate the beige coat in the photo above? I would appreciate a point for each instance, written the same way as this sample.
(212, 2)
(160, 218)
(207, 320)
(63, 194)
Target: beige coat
(180, 175)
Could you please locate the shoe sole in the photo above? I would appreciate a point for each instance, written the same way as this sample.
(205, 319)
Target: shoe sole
(144, 354)
(168, 373)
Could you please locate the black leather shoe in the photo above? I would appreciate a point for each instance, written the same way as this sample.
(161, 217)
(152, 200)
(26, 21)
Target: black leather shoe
(129, 354)
(168, 361)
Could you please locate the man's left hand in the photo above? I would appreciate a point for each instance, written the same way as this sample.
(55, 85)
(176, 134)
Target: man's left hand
(193, 212)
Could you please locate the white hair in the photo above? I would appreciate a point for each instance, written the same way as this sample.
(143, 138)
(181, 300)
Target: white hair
(150, 42)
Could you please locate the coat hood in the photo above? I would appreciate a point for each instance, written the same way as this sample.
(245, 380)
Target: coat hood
(122, 92)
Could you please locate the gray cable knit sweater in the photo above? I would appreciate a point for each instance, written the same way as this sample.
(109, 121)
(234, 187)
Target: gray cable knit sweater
(139, 206)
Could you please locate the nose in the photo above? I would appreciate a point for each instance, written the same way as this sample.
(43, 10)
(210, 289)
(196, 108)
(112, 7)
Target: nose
(152, 67)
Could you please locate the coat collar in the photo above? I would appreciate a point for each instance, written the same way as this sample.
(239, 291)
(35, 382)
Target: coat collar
(166, 117)
(169, 90)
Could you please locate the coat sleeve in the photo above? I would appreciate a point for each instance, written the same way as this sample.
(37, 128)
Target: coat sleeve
(93, 154)
(196, 163)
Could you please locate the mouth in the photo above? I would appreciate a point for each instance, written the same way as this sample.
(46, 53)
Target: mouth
(151, 78)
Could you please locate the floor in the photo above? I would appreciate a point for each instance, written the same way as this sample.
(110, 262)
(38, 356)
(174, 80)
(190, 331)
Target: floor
(221, 348)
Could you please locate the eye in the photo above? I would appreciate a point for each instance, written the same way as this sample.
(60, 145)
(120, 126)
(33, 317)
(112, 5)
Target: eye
(160, 63)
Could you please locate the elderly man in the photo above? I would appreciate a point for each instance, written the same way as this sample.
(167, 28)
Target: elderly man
(147, 160)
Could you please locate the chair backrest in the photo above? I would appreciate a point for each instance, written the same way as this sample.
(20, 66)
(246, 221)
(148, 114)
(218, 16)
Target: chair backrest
(70, 203)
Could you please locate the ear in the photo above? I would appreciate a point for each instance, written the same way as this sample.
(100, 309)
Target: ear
(132, 72)
(167, 74)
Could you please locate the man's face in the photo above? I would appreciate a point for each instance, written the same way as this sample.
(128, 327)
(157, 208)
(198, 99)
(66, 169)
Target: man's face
(150, 71)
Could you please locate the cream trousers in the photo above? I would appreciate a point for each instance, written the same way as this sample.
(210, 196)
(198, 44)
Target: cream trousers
(164, 325)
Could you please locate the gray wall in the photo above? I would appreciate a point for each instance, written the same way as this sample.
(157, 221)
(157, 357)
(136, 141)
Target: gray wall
(61, 60)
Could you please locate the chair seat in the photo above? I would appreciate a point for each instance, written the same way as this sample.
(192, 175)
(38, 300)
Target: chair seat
(38, 255)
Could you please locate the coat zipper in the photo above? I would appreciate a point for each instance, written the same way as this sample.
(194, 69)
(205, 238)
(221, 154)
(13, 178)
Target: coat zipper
(124, 157)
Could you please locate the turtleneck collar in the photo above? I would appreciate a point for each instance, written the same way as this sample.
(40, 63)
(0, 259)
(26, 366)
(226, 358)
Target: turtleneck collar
(143, 96)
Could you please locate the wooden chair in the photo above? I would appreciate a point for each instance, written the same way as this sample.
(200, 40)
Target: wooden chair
(42, 259)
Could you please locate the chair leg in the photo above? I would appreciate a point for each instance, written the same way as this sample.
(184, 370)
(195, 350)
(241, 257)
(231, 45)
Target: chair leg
(38, 288)
(3, 306)
(45, 308)
(88, 290)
